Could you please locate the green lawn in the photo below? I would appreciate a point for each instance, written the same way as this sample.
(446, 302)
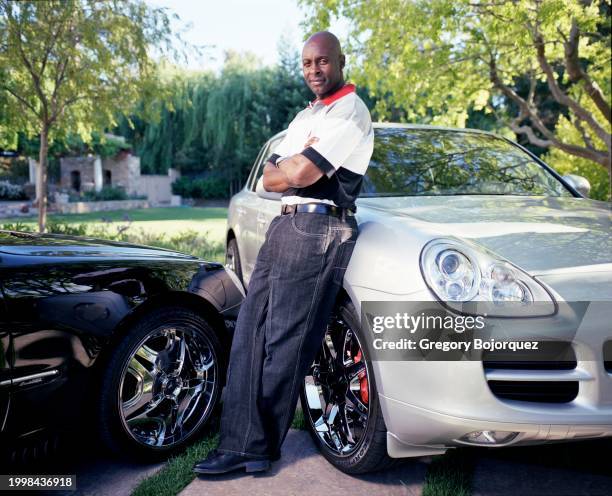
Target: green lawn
(450, 474)
(144, 214)
(199, 231)
(169, 221)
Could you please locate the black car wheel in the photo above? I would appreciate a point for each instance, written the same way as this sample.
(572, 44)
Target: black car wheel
(232, 258)
(340, 401)
(161, 383)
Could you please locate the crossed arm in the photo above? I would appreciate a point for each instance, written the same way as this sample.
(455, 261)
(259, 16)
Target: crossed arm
(294, 172)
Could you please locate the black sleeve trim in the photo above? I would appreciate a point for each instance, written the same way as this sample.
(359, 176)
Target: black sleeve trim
(273, 158)
(319, 160)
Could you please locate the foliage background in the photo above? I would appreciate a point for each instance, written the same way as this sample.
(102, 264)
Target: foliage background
(211, 125)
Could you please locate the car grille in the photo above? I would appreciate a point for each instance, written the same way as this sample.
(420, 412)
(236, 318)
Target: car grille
(530, 365)
(519, 375)
(535, 391)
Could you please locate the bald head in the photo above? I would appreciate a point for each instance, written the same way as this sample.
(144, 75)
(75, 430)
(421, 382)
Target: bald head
(327, 39)
(322, 64)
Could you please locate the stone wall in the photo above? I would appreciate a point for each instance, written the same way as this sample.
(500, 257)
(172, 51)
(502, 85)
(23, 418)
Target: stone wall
(157, 187)
(84, 165)
(125, 172)
(99, 206)
(16, 209)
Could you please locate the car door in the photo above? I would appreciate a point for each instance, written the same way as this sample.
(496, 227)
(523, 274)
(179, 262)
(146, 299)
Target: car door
(247, 205)
(267, 208)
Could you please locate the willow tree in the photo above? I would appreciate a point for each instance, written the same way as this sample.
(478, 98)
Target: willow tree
(249, 104)
(439, 58)
(217, 123)
(74, 66)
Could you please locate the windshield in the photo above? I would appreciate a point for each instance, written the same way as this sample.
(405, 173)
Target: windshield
(426, 162)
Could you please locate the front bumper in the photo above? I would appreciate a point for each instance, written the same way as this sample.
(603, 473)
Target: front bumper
(429, 406)
(414, 431)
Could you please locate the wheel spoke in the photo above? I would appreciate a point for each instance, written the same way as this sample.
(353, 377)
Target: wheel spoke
(140, 373)
(145, 409)
(347, 341)
(137, 402)
(205, 363)
(320, 424)
(337, 337)
(172, 357)
(355, 402)
(329, 350)
(331, 412)
(345, 425)
(356, 417)
(188, 403)
(168, 427)
(335, 437)
(148, 355)
(314, 395)
(180, 359)
(352, 370)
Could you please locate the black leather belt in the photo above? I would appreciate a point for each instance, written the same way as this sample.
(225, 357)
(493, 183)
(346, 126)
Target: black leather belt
(316, 208)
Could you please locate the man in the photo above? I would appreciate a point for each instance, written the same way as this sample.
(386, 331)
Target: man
(319, 168)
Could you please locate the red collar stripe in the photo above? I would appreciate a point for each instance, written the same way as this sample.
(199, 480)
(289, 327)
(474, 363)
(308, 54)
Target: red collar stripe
(345, 90)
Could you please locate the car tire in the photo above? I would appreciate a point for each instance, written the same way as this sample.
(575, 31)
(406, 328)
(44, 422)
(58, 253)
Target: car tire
(161, 384)
(368, 452)
(232, 258)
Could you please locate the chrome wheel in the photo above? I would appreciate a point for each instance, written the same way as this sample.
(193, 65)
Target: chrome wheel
(232, 258)
(337, 391)
(168, 386)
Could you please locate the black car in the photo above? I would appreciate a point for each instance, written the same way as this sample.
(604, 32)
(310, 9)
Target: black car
(131, 338)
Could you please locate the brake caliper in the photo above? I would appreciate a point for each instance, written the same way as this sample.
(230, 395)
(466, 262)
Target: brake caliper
(363, 380)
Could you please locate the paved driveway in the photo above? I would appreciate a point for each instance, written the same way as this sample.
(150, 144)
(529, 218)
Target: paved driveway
(569, 469)
(302, 471)
(553, 470)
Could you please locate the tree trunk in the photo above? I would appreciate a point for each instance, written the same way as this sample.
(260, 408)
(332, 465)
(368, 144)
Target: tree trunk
(41, 178)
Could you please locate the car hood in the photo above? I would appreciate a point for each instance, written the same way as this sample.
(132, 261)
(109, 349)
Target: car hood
(538, 234)
(63, 246)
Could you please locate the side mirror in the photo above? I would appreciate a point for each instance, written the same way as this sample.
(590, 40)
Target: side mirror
(579, 183)
(268, 195)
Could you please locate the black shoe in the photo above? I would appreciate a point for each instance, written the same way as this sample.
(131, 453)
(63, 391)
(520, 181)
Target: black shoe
(221, 463)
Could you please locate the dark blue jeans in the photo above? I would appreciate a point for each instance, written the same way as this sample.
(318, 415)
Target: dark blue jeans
(280, 327)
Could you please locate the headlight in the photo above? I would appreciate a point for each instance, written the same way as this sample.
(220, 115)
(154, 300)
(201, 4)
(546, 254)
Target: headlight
(504, 284)
(458, 272)
(453, 274)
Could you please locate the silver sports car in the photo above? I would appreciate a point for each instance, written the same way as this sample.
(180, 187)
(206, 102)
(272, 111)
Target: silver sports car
(450, 215)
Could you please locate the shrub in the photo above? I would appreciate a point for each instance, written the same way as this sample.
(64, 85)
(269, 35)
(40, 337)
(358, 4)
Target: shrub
(108, 193)
(18, 226)
(52, 227)
(189, 241)
(10, 191)
(69, 229)
(200, 188)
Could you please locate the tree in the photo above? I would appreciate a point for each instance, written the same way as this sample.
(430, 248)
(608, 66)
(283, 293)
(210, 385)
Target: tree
(214, 125)
(74, 66)
(440, 59)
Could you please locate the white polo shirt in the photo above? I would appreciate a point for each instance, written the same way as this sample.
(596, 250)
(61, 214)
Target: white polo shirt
(343, 126)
